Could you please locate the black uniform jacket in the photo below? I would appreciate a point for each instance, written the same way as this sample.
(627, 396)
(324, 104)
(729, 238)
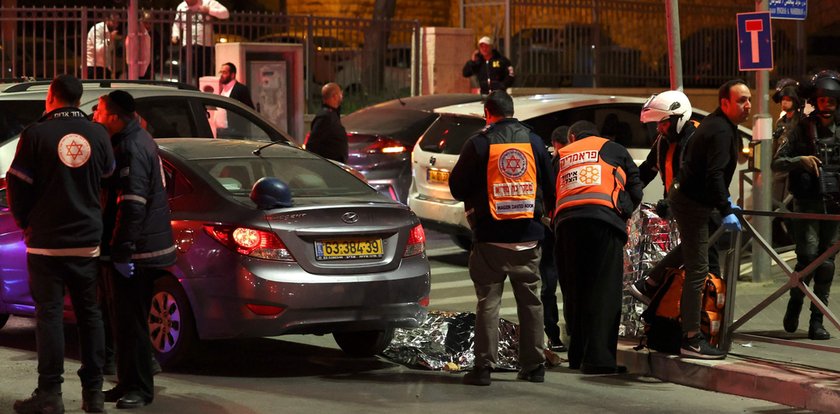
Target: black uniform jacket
(493, 74)
(137, 220)
(802, 140)
(328, 137)
(656, 161)
(710, 160)
(55, 179)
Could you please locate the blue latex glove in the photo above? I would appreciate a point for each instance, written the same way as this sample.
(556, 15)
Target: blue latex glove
(125, 269)
(732, 205)
(731, 223)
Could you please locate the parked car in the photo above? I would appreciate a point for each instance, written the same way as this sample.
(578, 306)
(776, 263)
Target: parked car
(437, 150)
(343, 259)
(382, 136)
(170, 111)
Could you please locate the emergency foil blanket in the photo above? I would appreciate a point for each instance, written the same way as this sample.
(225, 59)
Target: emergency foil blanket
(444, 341)
(651, 238)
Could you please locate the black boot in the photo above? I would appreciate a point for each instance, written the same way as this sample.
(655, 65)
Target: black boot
(816, 330)
(794, 307)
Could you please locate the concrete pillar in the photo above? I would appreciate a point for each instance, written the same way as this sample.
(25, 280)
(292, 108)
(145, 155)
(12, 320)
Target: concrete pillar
(445, 50)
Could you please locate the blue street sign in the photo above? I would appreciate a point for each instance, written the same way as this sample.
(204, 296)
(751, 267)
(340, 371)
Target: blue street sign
(789, 9)
(755, 45)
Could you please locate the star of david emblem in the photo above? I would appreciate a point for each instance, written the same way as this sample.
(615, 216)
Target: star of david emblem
(74, 150)
(513, 164)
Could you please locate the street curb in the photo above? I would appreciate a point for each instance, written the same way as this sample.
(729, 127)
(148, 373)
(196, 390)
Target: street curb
(784, 383)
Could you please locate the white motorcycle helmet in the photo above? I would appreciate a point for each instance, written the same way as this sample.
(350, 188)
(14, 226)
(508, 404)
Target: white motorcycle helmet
(667, 104)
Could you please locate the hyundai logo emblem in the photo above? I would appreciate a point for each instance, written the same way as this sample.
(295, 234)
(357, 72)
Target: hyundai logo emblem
(432, 161)
(350, 217)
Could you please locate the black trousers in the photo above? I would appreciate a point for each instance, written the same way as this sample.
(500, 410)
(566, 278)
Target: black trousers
(548, 289)
(48, 277)
(591, 276)
(131, 298)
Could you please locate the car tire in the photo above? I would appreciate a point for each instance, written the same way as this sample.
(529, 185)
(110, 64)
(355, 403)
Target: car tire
(171, 323)
(4, 317)
(464, 242)
(364, 343)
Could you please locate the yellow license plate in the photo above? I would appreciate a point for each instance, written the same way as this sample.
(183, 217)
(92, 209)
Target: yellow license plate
(348, 249)
(437, 176)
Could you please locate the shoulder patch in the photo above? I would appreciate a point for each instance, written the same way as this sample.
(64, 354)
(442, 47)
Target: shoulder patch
(74, 150)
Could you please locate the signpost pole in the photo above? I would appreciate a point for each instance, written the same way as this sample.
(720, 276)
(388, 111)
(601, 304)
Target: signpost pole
(763, 184)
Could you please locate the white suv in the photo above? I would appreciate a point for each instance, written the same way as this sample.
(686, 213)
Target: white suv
(437, 150)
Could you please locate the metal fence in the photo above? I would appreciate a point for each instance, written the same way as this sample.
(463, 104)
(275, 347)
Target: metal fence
(588, 43)
(372, 60)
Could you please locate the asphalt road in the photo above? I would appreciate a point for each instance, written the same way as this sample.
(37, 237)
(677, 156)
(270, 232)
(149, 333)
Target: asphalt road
(309, 374)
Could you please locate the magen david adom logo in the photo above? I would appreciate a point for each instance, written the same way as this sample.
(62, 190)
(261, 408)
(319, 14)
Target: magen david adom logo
(73, 150)
(512, 163)
(590, 175)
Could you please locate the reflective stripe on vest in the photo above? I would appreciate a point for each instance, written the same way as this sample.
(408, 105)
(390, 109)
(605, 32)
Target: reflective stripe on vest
(585, 178)
(511, 181)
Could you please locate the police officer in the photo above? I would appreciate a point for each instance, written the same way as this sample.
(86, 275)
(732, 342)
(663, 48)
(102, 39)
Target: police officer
(503, 176)
(598, 187)
(492, 70)
(138, 237)
(810, 156)
(53, 191)
(671, 110)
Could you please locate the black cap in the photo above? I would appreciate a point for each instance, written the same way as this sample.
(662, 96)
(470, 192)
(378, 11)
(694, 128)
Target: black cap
(123, 101)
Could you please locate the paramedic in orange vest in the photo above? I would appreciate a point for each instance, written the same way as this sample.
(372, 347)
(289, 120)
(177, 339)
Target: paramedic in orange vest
(503, 176)
(671, 110)
(598, 188)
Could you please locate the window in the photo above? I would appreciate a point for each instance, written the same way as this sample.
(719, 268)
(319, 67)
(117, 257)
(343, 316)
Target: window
(619, 122)
(228, 121)
(167, 117)
(16, 115)
(176, 184)
(449, 133)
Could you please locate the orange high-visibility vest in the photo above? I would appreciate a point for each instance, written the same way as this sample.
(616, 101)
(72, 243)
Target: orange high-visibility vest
(585, 178)
(511, 180)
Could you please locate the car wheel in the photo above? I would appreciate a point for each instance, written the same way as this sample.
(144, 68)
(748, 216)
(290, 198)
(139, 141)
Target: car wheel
(171, 324)
(4, 317)
(464, 242)
(364, 343)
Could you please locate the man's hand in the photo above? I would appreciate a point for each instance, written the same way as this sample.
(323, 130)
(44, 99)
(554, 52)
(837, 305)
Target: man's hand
(174, 40)
(731, 223)
(811, 163)
(476, 53)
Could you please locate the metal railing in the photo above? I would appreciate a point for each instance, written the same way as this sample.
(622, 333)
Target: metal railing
(731, 325)
(372, 60)
(603, 43)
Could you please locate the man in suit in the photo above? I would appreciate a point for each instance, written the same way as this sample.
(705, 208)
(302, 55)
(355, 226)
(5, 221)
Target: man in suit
(230, 87)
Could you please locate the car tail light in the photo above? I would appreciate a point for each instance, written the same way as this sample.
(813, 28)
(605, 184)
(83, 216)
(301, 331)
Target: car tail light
(265, 310)
(251, 242)
(306, 139)
(416, 241)
(385, 146)
(424, 301)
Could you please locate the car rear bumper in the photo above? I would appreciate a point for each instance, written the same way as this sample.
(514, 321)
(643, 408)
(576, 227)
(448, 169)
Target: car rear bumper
(446, 216)
(327, 304)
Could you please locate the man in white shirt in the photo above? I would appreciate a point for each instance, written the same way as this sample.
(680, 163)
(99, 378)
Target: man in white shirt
(100, 47)
(194, 24)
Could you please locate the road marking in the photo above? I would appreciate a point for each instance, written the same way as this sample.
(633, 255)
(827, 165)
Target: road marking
(447, 270)
(451, 284)
(444, 251)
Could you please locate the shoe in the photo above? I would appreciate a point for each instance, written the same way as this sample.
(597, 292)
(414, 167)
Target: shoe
(113, 394)
(93, 401)
(817, 332)
(698, 347)
(535, 375)
(40, 402)
(791, 320)
(556, 345)
(593, 370)
(132, 399)
(156, 369)
(643, 291)
(477, 376)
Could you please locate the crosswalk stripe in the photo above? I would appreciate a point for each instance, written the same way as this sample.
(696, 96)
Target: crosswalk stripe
(444, 251)
(451, 284)
(446, 270)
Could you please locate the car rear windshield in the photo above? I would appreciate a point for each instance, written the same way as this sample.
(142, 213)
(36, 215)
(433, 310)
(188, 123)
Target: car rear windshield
(307, 177)
(16, 115)
(449, 133)
(404, 125)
